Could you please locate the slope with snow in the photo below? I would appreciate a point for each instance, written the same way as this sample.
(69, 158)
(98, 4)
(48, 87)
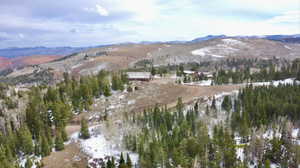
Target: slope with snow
(99, 148)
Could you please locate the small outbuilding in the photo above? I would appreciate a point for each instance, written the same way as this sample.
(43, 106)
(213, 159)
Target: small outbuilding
(140, 76)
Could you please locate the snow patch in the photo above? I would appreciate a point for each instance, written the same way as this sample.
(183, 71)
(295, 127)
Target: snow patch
(217, 56)
(233, 42)
(288, 81)
(227, 48)
(76, 66)
(287, 47)
(295, 133)
(201, 83)
(201, 52)
(35, 160)
(131, 102)
(97, 147)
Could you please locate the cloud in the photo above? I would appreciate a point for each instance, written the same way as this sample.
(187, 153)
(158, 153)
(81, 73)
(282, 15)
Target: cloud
(287, 17)
(21, 36)
(98, 9)
(93, 22)
(102, 11)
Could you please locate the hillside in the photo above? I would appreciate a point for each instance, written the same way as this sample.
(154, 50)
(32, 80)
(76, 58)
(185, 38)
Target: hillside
(105, 115)
(123, 56)
(26, 60)
(224, 48)
(34, 60)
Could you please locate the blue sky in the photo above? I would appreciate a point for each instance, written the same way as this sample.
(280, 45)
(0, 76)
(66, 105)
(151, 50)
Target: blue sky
(94, 22)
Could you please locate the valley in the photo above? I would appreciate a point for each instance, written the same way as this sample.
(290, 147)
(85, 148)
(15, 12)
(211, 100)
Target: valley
(198, 108)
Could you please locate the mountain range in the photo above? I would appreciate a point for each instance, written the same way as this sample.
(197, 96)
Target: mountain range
(19, 57)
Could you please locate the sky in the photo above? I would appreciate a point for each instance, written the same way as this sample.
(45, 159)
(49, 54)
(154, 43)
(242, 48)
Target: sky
(28, 23)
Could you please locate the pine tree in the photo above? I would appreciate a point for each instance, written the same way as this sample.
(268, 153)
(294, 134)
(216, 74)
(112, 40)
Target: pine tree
(59, 143)
(298, 75)
(153, 71)
(226, 104)
(207, 110)
(4, 162)
(114, 82)
(45, 147)
(25, 141)
(128, 161)
(179, 105)
(267, 164)
(213, 104)
(28, 163)
(122, 163)
(64, 134)
(84, 131)
(113, 164)
(106, 90)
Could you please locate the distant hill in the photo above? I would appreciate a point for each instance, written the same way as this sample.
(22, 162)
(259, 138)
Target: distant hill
(4, 63)
(21, 52)
(285, 38)
(123, 56)
(34, 59)
(209, 37)
(26, 60)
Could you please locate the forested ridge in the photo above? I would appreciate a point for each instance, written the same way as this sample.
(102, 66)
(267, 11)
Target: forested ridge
(48, 111)
(172, 138)
(266, 72)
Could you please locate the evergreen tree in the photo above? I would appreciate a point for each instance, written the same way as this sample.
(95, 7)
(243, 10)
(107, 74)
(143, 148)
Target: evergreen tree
(213, 104)
(25, 141)
(267, 164)
(226, 104)
(46, 149)
(115, 82)
(28, 163)
(298, 75)
(59, 143)
(153, 71)
(4, 161)
(113, 162)
(84, 131)
(64, 134)
(128, 161)
(106, 90)
(122, 163)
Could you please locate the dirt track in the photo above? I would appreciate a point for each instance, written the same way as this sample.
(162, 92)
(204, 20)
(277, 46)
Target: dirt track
(70, 157)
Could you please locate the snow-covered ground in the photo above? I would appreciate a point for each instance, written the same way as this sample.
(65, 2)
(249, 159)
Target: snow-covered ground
(201, 52)
(276, 83)
(200, 83)
(287, 47)
(228, 46)
(35, 160)
(97, 147)
(233, 42)
(270, 134)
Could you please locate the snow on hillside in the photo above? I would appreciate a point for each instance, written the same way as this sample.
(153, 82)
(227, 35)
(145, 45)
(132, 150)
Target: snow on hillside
(99, 149)
(200, 83)
(207, 51)
(228, 47)
(36, 160)
(288, 81)
(233, 42)
(201, 52)
(287, 47)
